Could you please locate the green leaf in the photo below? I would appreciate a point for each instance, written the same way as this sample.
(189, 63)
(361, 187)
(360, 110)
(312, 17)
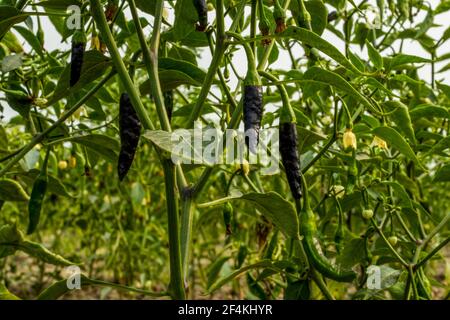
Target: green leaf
(307, 138)
(5, 294)
(11, 190)
(275, 208)
(297, 290)
(443, 174)
(442, 7)
(39, 251)
(403, 59)
(183, 66)
(400, 193)
(310, 38)
(374, 56)
(95, 65)
(237, 273)
(400, 115)
(442, 145)
(185, 19)
(319, 12)
(9, 16)
(335, 80)
(429, 111)
(426, 24)
(353, 253)
(214, 269)
(31, 38)
(10, 237)
(148, 6)
(170, 79)
(102, 145)
(54, 186)
(393, 138)
(444, 88)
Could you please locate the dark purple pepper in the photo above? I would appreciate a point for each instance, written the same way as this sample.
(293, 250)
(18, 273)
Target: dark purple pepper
(253, 104)
(289, 157)
(76, 62)
(130, 132)
(202, 11)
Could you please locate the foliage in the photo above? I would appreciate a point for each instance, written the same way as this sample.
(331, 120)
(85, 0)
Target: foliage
(163, 226)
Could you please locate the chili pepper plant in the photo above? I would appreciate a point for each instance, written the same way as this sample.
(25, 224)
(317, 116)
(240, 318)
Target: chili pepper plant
(358, 207)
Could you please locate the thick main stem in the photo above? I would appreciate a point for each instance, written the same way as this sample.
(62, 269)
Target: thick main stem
(176, 281)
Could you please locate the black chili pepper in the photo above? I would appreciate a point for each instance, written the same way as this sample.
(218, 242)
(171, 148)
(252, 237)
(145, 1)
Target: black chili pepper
(289, 157)
(253, 102)
(130, 132)
(202, 11)
(76, 61)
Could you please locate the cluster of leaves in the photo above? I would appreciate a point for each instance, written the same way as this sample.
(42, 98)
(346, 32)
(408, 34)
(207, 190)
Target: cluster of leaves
(399, 167)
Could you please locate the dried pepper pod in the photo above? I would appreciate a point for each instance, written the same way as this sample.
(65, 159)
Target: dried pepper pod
(77, 56)
(280, 17)
(130, 132)
(111, 10)
(202, 11)
(264, 24)
(37, 196)
(308, 230)
(168, 103)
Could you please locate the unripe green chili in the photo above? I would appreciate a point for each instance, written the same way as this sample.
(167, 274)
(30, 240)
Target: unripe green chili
(308, 230)
(227, 217)
(77, 57)
(130, 132)
(202, 11)
(37, 196)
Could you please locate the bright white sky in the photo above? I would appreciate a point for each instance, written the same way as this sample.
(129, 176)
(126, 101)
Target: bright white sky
(53, 42)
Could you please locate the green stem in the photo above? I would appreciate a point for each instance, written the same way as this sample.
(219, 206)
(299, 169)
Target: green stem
(102, 25)
(253, 24)
(215, 63)
(151, 59)
(66, 115)
(391, 248)
(433, 252)
(176, 279)
(317, 278)
(187, 217)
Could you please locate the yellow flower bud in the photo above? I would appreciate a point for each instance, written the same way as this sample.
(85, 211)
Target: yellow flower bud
(338, 191)
(349, 139)
(378, 142)
(62, 165)
(244, 166)
(95, 43)
(73, 162)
